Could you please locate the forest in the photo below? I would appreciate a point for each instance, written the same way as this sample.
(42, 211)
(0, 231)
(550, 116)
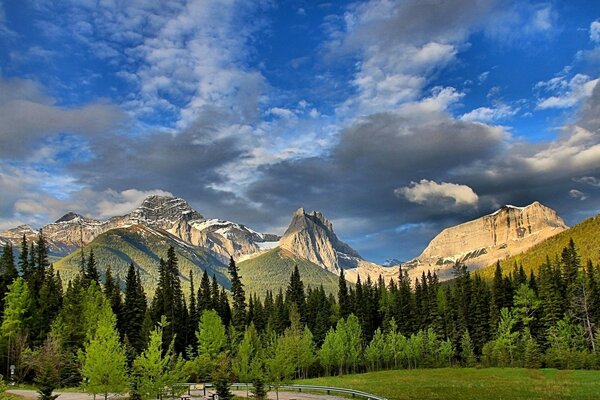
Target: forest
(106, 336)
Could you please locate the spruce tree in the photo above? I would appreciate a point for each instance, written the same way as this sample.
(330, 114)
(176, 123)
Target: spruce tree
(343, 296)
(8, 271)
(295, 293)
(215, 294)
(193, 312)
(24, 258)
(134, 310)
(238, 312)
(112, 291)
(104, 361)
(205, 297)
(91, 270)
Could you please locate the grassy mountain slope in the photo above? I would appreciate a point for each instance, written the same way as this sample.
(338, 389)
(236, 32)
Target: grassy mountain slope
(272, 270)
(144, 247)
(586, 236)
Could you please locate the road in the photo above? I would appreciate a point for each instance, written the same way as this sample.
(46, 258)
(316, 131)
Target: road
(33, 395)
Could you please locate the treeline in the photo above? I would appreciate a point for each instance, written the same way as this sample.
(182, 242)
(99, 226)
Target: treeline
(63, 339)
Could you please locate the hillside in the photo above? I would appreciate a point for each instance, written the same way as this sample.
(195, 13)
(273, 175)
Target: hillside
(272, 270)
(586, 236)
(144, 247)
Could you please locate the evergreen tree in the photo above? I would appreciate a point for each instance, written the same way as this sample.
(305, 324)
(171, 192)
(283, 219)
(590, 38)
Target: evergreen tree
(205, 296)
(224, 308)
(238, 312)
(8, 271)
(134, 310)
(155, 370)
(215, 294)
(295, 293)
(193, 313)
(24, 259)
(104, 361)
(91, 269)
(112, 291)
(343, 296)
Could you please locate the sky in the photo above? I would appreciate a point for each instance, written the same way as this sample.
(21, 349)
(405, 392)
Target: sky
(396, 119)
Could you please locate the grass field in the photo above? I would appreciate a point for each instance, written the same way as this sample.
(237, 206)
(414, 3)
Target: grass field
(470, 383)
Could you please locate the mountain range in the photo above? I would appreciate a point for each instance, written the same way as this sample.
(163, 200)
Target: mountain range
(266, 259)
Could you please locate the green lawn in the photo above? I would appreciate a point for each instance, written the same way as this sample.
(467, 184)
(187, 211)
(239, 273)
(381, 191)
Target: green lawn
(471, 383)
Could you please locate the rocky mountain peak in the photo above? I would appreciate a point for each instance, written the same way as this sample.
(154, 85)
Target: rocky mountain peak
(70, 216)
(310, 235)
(164, 210)
(509, 230)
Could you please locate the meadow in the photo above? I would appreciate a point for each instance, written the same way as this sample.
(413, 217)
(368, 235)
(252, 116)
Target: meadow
(472, 383)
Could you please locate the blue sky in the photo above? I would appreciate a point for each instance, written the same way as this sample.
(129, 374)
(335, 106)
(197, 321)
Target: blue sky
(394, 118)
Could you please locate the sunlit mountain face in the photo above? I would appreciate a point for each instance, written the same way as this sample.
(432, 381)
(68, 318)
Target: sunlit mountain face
(395, 119)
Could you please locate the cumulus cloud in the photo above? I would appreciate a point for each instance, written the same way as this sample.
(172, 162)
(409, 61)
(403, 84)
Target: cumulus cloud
(595, 31)
(28, 115)
(487, 114)
(444, 194)
(567, 93)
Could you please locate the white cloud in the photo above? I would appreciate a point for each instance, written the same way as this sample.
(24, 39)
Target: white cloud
(595, 31)
(521, 23)
(281, 112)
(576, 194)
(487, 114)
(588, 180)
(433, 193)
(567, 93)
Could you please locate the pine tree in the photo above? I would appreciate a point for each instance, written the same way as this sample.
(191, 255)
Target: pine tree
(50, 301)
(24, 259)
(155, 370)
(91, 270)
(295, 293)
(193, 311)
(343, 296)
(224, 308)
(215, 294)
(104, 361)
(112, 291)
(134, 310)
(205, 301)
(8, 271)
(238, 312)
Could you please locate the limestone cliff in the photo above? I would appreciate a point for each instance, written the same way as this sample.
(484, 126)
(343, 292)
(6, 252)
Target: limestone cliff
(311, 236)
(478, 243)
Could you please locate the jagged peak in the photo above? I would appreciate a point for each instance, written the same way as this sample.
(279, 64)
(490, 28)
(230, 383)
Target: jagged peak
(69, 217)
(509, 207)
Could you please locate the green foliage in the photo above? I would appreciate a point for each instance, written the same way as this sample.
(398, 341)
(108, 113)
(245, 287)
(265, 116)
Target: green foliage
(222, 377)
(211, 334)
(467, 350)
(104, 362)
(272, 271)
(154, 371)
(47, 362)
(18, 303)
(143, 247)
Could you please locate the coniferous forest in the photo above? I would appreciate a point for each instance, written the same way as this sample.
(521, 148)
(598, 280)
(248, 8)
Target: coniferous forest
(106, 335)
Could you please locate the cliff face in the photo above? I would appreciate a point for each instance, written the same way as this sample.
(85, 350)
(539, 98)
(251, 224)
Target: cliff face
(508, 231)
(311, 236)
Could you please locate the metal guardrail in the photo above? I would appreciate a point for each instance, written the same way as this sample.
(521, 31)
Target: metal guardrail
(299, 388)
